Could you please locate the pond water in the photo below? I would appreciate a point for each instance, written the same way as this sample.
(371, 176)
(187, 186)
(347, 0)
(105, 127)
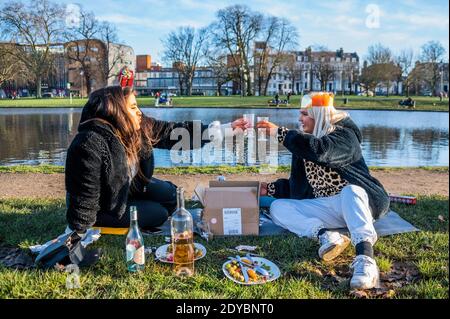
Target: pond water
(390, 138)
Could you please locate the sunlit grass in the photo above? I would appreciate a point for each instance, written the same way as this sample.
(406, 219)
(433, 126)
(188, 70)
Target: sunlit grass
(26, 222)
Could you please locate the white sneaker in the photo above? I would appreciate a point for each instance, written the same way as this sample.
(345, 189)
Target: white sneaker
(365, 273)
(332, 244)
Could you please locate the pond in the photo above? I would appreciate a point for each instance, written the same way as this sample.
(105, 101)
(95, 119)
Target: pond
(390, 138)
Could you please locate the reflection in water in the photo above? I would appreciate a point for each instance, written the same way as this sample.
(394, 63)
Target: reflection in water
(34, 136)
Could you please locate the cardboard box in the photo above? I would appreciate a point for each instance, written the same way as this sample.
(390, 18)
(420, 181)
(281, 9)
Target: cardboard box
(231, 207)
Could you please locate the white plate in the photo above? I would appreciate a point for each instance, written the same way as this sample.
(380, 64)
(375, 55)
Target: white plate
(274, 271)
(161, 252)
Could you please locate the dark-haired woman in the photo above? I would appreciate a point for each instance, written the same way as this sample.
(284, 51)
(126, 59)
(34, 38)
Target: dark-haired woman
(109, 165)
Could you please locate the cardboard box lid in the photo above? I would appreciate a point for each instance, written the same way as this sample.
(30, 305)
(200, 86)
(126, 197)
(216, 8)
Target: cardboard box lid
(216, 187)
(243, 197)
(234, 184)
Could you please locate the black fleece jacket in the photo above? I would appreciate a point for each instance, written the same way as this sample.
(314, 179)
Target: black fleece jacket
(339, 150)
(96, 175)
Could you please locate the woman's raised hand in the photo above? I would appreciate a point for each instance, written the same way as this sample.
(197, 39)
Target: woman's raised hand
(269, 126)
(240, 123)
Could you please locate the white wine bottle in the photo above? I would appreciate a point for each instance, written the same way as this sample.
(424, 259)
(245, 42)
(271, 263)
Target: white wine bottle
(134, 244)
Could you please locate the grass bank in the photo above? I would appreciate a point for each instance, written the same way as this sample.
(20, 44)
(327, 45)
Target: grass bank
(413, 265)
(53, 169)
(354, 102)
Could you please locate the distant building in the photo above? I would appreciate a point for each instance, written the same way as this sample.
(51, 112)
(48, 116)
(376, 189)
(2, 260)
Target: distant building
(143, 72)
(143, 63)
(102, 62)
(422, 73)
(167, 80)
(304, 71)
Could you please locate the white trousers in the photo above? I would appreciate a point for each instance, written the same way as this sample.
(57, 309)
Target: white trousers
(350, 209)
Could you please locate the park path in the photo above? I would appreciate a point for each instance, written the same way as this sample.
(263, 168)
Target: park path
(35, 185)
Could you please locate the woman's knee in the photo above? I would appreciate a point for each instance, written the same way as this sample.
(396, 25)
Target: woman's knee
(278, 207)
(355, 191)
(153, 218)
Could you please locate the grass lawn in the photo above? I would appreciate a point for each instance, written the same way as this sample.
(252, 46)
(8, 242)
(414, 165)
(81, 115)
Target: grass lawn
(416, 263)
(355, 102)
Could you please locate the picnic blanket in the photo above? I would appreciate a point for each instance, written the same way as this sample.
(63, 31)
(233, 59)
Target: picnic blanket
(389, 224)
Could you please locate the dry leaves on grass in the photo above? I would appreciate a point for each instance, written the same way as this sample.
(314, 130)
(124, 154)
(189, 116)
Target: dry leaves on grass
(401, 274)
(339, 274)
(441, 218)
(383, 293)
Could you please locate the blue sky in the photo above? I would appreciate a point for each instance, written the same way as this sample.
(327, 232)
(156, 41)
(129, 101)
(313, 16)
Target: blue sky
(350, 24)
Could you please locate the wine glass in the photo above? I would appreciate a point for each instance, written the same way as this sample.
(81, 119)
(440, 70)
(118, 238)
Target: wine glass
(204, 230)
(262, 132)
(250, 118)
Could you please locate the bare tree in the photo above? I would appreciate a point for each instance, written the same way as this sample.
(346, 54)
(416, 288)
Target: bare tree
(323, 69)
(114, 51)
(378, 54)
(278, 36)
(293, 69)
(8, 64)
(81, 41)
(405, 62)
(350, 72)
(185, 46)
(416, 76)
(432, 54)
(216, 60)
(34, 29)
(369, 78)
(379, 74)
(235, 29)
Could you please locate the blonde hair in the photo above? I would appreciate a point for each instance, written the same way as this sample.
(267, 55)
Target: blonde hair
(325, 119)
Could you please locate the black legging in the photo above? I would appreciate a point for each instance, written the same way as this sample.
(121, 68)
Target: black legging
(154, 206)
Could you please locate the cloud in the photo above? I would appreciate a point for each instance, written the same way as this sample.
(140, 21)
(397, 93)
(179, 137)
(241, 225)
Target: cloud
(150, 23)
(420, 21)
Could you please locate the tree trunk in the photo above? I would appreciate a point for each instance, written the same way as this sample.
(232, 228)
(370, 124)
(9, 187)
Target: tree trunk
(87, 79)
(189, 85)
(219, 86)
(266, 83)
(260, 91)
(249, 85)
(38, 86)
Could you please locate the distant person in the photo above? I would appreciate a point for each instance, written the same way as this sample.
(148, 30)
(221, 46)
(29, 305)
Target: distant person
(409, 102)
(288, 98)
(157, 99)
(277, 99)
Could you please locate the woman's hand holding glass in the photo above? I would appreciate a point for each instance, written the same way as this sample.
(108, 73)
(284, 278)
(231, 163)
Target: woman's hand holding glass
(270, 127)
(240, 123)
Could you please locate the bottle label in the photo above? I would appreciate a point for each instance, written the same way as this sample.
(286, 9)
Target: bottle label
(139, 256)
(130, 252)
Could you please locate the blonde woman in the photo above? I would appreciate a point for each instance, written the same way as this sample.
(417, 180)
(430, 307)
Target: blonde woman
(330, 186)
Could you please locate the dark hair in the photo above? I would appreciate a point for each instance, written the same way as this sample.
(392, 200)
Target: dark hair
(109, 105)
